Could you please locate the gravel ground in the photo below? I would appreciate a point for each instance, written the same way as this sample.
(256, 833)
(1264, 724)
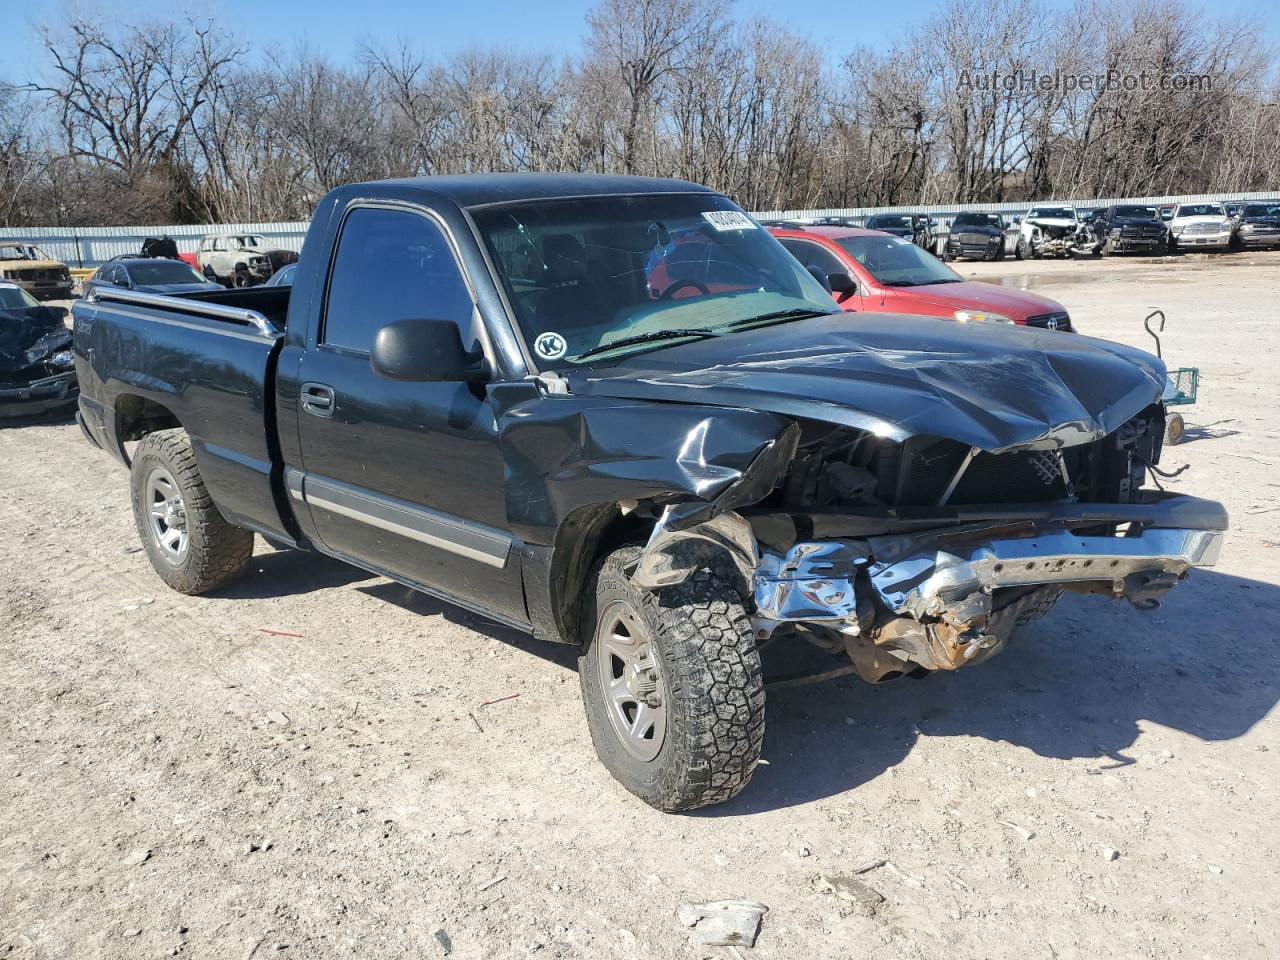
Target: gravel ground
(305, 765)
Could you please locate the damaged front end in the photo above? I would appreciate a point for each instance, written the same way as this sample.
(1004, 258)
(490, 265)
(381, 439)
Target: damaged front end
(37, 368)
(925, 555)
(1060, 240)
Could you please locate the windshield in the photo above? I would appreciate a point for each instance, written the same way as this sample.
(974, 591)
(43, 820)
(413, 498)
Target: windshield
(978, 220)
(154, 274)
(1201, 210)
(1261, 210)
(21, 252)
(895, 262)
(1142, 212)
(249, 241)
(15, 298)
(585, 273)
(890, 223)
(1052, 213)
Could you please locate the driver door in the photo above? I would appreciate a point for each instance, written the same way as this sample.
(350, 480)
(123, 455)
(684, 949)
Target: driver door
(402, 477)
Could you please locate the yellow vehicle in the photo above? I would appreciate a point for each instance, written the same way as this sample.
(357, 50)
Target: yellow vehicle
(34, 271)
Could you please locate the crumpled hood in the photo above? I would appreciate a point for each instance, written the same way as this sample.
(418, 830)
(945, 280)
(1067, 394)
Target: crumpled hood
(993, 387)
(28, 336)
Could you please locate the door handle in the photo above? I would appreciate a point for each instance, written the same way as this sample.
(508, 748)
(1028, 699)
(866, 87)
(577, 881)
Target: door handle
(318, 399)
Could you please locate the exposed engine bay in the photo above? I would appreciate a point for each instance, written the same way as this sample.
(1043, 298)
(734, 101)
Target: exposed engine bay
(925, 554)
(1058, 240)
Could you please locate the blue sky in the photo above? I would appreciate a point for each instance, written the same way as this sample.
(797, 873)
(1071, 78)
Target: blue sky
(336, 26)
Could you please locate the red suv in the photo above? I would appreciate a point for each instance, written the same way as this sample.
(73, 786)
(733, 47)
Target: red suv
(871, 271)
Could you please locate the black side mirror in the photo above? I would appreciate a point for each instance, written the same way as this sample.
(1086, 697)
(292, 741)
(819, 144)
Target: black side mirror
(817, 274)
(842, 283)
(425, 351)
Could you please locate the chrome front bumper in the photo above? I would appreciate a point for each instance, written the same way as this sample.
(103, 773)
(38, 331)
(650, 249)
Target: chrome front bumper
(814, 582)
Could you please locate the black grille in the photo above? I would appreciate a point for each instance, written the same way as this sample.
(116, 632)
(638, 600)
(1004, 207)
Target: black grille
(36, 274)
(1023, 477)
(1146, 231)
(1050, 321)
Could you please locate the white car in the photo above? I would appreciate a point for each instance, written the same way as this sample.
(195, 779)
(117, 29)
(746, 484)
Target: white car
(1053, 230)
(240, 260)
(1201, 225)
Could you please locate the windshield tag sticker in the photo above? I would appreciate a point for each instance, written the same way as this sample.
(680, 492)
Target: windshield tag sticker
(550, 345)
(728, 220)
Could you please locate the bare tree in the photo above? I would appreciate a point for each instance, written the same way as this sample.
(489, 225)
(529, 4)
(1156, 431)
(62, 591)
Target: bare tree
(171, 120)
(642, 42)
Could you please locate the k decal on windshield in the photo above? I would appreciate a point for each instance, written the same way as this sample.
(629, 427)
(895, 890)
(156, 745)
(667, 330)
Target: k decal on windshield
(550, 345)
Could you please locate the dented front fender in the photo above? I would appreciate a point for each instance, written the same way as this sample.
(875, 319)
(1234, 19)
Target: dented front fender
(685, 462)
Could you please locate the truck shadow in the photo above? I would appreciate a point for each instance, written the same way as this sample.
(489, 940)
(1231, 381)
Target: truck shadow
(1080, 684)
(283, 573)
(562, 654)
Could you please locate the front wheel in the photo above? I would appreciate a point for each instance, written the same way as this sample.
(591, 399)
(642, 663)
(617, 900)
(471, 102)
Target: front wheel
(1020, 250)
(673, 686)
(190, 544)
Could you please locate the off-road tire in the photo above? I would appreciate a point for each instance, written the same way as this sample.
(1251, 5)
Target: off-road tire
(712, 676)
(217, 552)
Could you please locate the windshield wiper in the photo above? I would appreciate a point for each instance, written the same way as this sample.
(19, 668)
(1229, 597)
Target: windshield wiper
(795, 313)
(650, 337)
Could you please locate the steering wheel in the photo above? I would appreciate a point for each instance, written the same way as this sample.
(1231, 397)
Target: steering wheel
(668, 293)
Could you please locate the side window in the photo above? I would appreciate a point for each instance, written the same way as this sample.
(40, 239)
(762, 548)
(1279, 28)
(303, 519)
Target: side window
(812, 255)
(391, 265)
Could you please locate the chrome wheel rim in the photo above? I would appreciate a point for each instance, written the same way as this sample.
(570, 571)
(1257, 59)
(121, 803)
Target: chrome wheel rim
(631, 681)
(166, 515)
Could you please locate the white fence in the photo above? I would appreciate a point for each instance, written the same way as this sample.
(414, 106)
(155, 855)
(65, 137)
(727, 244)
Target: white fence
(90, 246)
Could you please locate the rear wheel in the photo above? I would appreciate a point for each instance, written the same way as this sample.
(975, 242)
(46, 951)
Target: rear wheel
(190, 544)
(673, 686)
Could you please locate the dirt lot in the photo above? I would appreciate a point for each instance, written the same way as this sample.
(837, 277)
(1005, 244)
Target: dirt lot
(306, 763)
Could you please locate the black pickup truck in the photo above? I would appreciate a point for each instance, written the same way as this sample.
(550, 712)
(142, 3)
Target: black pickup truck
(614, 412)
(1125, 228)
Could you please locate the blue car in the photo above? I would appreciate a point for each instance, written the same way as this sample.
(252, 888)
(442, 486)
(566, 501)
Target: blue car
(149, 275)
(283, 277)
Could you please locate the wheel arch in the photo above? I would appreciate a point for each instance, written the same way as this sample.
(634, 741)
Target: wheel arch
(136, 416)
(582, 539)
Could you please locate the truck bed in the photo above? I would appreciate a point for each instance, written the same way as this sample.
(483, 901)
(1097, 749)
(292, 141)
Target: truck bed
(205, 361)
